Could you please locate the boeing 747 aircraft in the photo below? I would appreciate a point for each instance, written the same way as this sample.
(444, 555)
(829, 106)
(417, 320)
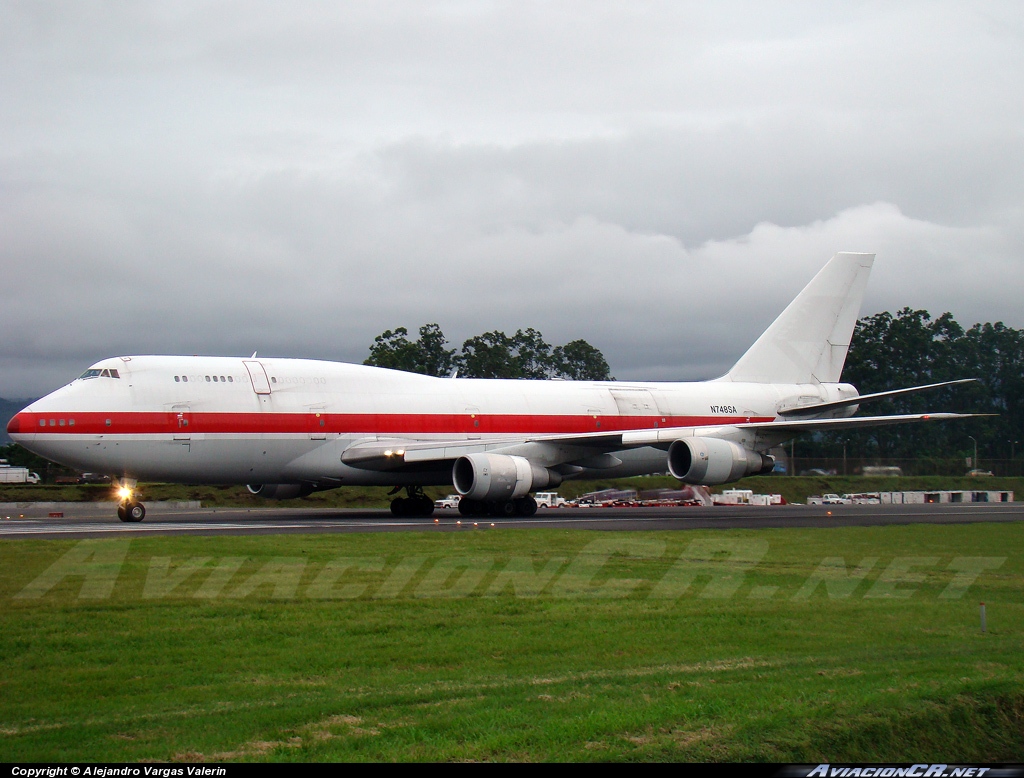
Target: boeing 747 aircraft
(288, 427)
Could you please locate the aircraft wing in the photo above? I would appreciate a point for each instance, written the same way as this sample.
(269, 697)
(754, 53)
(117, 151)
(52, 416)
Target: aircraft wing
(589, 449)
(592, 449)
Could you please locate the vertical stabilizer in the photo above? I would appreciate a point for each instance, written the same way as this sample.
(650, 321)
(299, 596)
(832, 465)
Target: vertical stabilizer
(809, 340)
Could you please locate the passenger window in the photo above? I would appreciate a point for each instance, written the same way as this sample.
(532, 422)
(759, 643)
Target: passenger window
(177, 379)
(215, 379)
(231, 379)
(184, 378)
(207, 379)
(222, 379)
(71, 422)
(53, 422)
(108, 422)
(274, 379)
(42, 422)
(62, 422)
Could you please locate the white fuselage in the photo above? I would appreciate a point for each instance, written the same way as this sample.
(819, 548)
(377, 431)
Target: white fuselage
(257, 421)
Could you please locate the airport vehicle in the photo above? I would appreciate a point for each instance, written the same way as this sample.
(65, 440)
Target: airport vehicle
(17, 475)
(451, 501)
(829, 499)
(288, 427)
(549, 500)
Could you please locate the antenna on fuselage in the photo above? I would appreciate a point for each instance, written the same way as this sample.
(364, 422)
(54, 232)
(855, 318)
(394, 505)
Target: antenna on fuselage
(454, 373)
(253, 355)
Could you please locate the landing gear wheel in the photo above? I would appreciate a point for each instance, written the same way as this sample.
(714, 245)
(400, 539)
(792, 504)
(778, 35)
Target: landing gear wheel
(505, 509)
(398, 506)
(131, 511)
(469, 508)
(525, 506)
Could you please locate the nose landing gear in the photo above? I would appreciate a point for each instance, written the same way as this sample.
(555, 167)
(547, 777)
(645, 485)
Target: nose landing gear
(128, 508)
(131, 511)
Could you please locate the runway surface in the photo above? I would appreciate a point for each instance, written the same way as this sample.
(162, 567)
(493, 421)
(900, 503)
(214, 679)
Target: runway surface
(274, 521)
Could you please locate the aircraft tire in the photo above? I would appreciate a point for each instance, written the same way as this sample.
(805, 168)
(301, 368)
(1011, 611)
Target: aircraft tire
(399, 507)
(135, 511)
(468, 507)
(525, 506)
(503, 509)
(122, 513)
(424, 507)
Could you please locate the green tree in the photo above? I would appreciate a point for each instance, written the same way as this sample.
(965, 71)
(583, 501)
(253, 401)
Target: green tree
(426, 355)
(533, 355)
(579, 361)
(490, 355)
(910, 348)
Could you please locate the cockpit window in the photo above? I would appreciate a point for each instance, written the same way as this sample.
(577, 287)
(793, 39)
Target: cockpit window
(93, 372)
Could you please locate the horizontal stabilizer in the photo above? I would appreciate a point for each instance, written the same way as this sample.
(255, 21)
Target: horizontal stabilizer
(806, 410)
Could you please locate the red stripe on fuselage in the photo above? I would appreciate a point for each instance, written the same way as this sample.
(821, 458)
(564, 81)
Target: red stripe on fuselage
(342, 423)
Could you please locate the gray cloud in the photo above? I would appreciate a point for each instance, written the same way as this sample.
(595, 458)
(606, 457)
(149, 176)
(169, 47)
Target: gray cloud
(657, 179)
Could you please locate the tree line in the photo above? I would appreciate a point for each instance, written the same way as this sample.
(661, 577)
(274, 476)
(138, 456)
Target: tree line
(911, 348)
(490, 355)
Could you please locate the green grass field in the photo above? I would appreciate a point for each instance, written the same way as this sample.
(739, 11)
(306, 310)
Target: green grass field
(855, 644)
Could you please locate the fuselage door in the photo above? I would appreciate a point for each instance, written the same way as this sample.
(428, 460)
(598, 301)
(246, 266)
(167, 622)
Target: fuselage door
(180, 421)
(473, 420)
(317, 423)
(258, 376)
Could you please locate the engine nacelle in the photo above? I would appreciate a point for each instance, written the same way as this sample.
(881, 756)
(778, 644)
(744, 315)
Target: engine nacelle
(711, 461)
(499, 477)
(280, 491)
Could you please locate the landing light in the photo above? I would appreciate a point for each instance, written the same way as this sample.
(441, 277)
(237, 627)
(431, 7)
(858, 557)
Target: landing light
(124, 493)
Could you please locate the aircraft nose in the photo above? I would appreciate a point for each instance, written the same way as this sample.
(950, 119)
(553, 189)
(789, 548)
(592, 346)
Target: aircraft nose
(14, 425)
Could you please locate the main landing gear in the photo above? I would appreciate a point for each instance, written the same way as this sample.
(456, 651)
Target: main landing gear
(503, 509)
(417, 504)
(128, 508)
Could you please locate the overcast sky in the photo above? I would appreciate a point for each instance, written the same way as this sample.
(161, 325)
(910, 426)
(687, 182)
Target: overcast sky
(659, 179)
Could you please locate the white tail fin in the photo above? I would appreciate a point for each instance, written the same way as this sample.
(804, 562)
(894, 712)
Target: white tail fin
(809, 340)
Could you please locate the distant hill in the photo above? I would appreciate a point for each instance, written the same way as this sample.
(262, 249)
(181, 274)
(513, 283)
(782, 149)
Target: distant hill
(7, 409)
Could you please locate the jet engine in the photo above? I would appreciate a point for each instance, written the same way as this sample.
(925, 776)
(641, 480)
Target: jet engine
(280, 491)
(499, 477)
(711, 461)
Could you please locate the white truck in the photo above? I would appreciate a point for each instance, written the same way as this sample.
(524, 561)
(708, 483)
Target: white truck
(451, 501)
(829, 499)
(549, 500)
(17, 475)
